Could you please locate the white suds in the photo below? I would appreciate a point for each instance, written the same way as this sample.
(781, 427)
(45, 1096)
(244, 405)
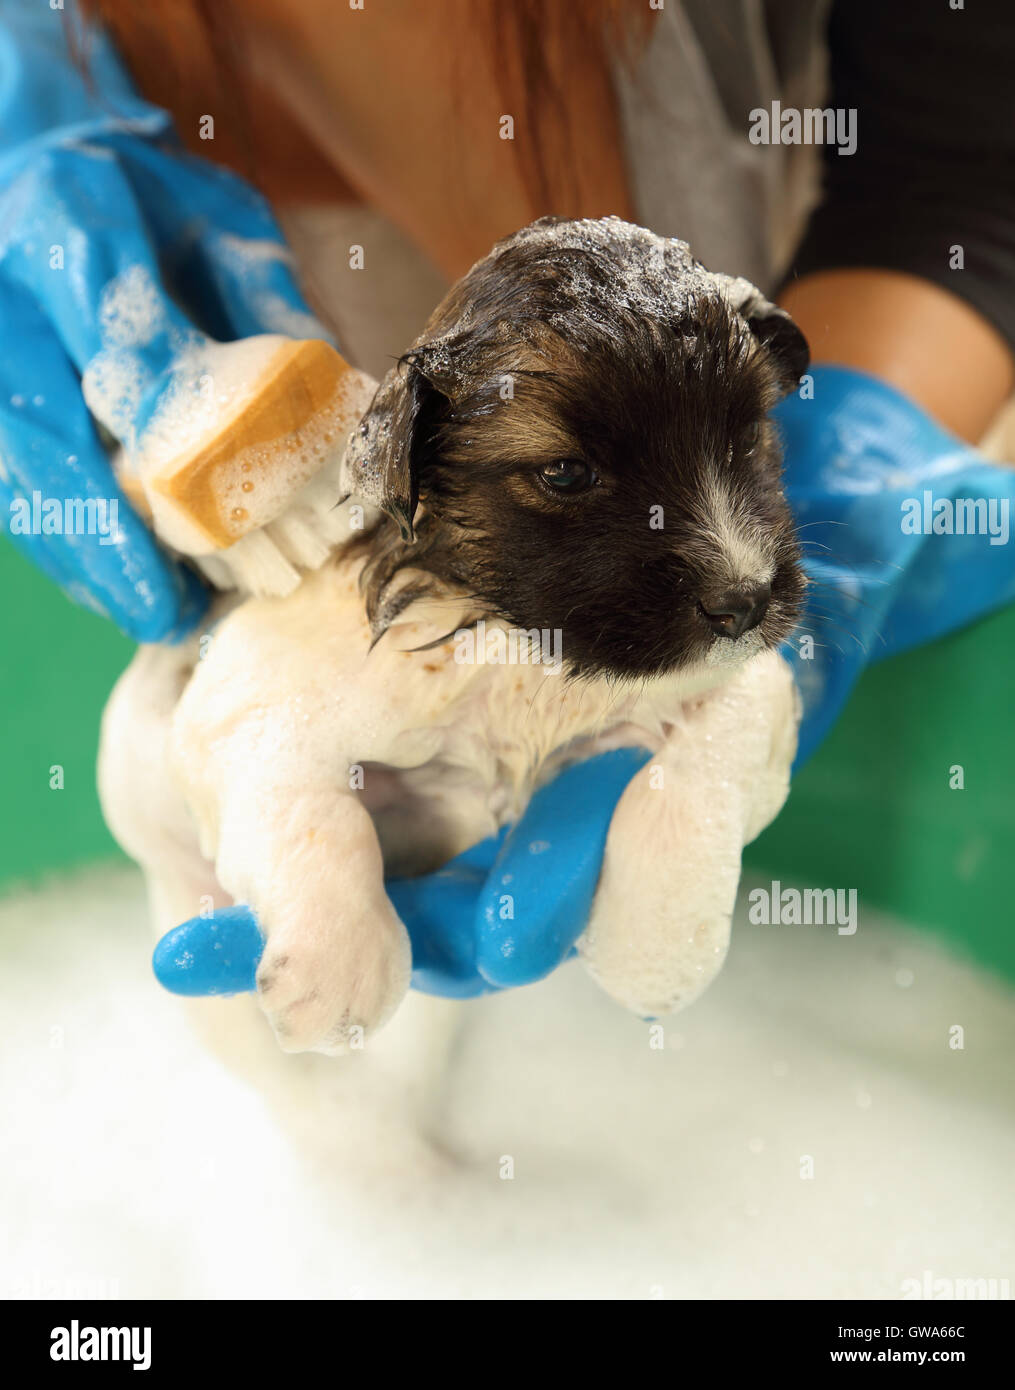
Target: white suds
(634, 1176)
(276, 500)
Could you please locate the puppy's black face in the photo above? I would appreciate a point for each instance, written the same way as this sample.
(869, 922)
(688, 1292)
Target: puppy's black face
(592, 467)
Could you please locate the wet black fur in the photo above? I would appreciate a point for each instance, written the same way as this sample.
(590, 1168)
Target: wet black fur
(652, 404)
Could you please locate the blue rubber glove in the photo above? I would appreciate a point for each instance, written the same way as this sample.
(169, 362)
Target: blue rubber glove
(860, 460)
(510, 910)
(505, 913)
(94, 188)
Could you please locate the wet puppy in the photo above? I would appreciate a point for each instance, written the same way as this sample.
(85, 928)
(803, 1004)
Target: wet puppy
(579, 440)
(577, 445)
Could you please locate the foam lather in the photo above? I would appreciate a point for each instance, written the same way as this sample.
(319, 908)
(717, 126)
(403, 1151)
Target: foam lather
(239, 466)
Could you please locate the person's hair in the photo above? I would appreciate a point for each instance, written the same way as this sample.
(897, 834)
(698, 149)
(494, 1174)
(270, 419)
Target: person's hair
(187, 56)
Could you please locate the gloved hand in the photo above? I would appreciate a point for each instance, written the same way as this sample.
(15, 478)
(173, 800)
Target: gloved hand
(505, 913)
(117, 252)
(855, 451)
(864, 467)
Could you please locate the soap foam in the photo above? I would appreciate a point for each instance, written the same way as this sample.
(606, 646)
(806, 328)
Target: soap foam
(131, 309)
(213, 383)
(285, 489)
(637, 1171)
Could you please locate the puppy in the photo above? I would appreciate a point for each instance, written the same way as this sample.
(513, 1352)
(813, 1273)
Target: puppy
(576, 445)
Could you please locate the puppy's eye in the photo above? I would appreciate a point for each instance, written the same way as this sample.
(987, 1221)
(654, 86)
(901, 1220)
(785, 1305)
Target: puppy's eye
(567, 475)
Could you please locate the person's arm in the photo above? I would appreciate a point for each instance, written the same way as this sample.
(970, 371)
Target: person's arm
(907, 270)
(927, 342)
(155, 271)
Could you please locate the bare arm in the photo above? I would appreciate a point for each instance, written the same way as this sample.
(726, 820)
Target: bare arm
(931, 345)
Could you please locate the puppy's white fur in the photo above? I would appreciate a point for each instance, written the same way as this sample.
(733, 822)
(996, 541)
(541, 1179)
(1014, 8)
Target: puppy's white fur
(291, 764)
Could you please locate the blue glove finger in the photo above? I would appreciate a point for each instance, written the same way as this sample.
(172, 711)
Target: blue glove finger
(535, 902)
(439, 911)
(485, 921)
(211, 955)
(860, 458)
(61, 504)
(220, 954)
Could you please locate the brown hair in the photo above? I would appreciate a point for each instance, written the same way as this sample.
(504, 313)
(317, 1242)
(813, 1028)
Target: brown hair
(188, 56)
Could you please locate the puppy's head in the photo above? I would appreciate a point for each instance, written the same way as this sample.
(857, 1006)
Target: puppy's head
(580, 440)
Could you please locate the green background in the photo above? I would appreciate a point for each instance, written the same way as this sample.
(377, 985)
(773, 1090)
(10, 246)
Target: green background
(872, 810)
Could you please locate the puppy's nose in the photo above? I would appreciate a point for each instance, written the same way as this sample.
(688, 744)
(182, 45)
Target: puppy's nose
(735, 612)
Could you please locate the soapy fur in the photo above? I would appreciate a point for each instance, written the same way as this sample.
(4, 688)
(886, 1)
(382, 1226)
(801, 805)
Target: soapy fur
(231, 778)
(314, 743)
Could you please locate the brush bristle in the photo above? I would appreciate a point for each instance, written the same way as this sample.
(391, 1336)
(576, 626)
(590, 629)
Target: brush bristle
(270, 562)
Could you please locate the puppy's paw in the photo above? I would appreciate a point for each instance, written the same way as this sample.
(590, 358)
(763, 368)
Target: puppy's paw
(327, 994)
(658, 974)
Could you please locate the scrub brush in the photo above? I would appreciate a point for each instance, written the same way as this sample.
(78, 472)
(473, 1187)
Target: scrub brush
(238, 466)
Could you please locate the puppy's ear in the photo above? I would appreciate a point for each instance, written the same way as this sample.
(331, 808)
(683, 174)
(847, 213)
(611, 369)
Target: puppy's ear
(384, 455)
(773, 327)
